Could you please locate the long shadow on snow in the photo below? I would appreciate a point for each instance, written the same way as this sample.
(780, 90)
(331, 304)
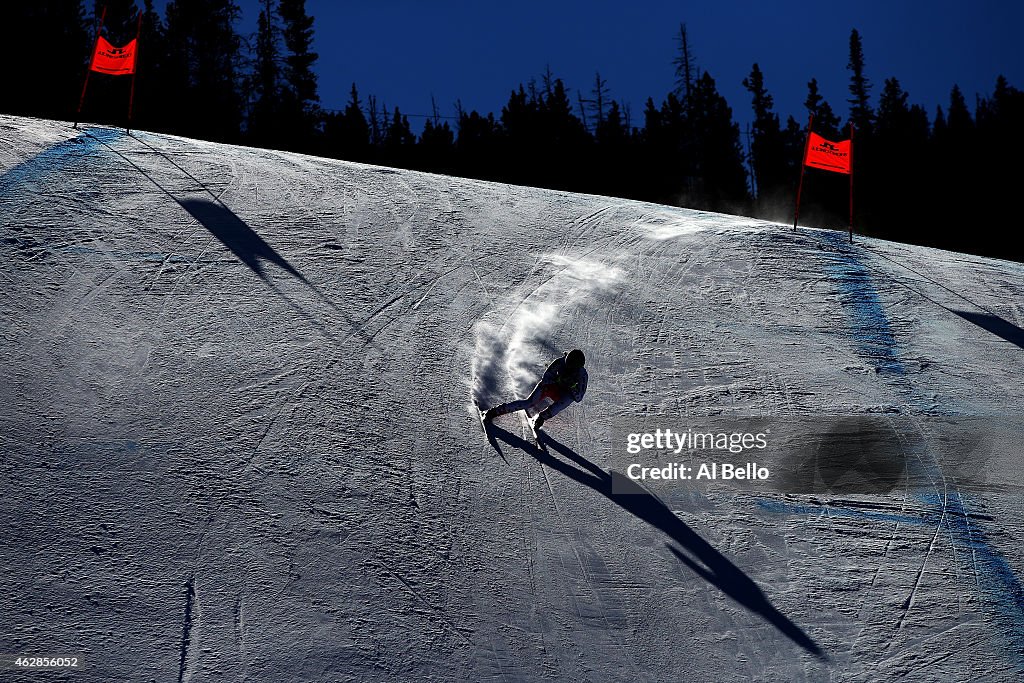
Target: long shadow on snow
(237, 236)
(988, 321)
(710, 564)
(242, 240)
(994, 324)
(252, 249)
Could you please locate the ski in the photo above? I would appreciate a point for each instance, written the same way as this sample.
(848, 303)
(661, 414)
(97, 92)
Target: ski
(535, 431)
(480, 415)
(487, 433)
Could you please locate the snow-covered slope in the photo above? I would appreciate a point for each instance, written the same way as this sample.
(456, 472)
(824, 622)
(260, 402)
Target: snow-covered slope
(238, 443)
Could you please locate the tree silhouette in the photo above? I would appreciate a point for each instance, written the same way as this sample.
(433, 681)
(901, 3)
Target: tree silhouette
(826, 123)
(479, 138)
(959, 123)
(301, 101)
(612, 131)
(771, 176)
(347, 133)
(436, 146)
(265, 89)
(860, 88)
(153, 101)
(120, 26)
(901, 133)
(193, 81)
(719, 156)
(600, 100)
(204, 67)
(399, 140)
(686, 67)
(60, 68)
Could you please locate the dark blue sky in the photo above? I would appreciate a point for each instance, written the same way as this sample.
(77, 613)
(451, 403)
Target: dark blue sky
(405, 50)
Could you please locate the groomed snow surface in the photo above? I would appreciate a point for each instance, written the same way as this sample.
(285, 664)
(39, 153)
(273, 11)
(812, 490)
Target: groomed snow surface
(237, 439)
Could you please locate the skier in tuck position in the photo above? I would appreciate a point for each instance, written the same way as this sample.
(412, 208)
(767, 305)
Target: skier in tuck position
(563, 382)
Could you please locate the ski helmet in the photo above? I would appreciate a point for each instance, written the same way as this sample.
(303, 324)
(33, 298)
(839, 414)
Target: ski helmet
(575, 359)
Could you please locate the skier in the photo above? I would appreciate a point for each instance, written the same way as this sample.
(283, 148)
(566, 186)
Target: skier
(563, 382)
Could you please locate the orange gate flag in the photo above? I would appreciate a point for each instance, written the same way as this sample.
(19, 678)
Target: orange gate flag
(115, 61)
(827, 155)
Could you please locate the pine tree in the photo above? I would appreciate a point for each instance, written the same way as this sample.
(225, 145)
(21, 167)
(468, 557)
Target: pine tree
(600, 93)
(652, 121)
(793, 137)
(898, 198)
(901, 128)
(437, 136)
(398, 139)
(862, 119)
(860, 105)
(612, 131)
(1007, 106)
(204, 67)
(956, 172)
(477, 142)
(520, 121)
(893, 110)
(918, 123)
(50, 82)
(358, 128)
(152, 98)
(264, 120)
(347, 133)
(767, 148)
(374, 116)
(558, 157)
(997, 122)
(939, 126)
(302, 101)
(826, 123)
(120, 25)
(667, 148)
(998, 118)
(560, 125)
(958, 118)
(686, 67)
(606, 163)
(583, 105)
(436, 146)
(719, 155)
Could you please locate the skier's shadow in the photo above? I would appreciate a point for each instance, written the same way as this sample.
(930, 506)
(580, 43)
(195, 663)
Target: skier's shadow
(701, 556)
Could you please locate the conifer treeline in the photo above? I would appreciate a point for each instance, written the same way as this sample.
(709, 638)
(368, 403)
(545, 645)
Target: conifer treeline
(940, 180)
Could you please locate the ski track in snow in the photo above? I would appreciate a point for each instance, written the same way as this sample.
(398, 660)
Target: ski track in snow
(238, 438)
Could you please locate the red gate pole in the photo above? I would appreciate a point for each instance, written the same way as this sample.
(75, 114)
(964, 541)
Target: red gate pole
(851, 182)
(803, 166)
(131, 96)
(81, 100)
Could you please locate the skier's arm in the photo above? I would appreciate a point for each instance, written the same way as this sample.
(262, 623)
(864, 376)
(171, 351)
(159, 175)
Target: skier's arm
(581, 386)
(551, 374)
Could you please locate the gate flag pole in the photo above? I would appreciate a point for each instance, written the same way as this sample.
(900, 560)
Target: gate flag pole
(135, 71)
(851, 182)
(81, 100)
(803, 166)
